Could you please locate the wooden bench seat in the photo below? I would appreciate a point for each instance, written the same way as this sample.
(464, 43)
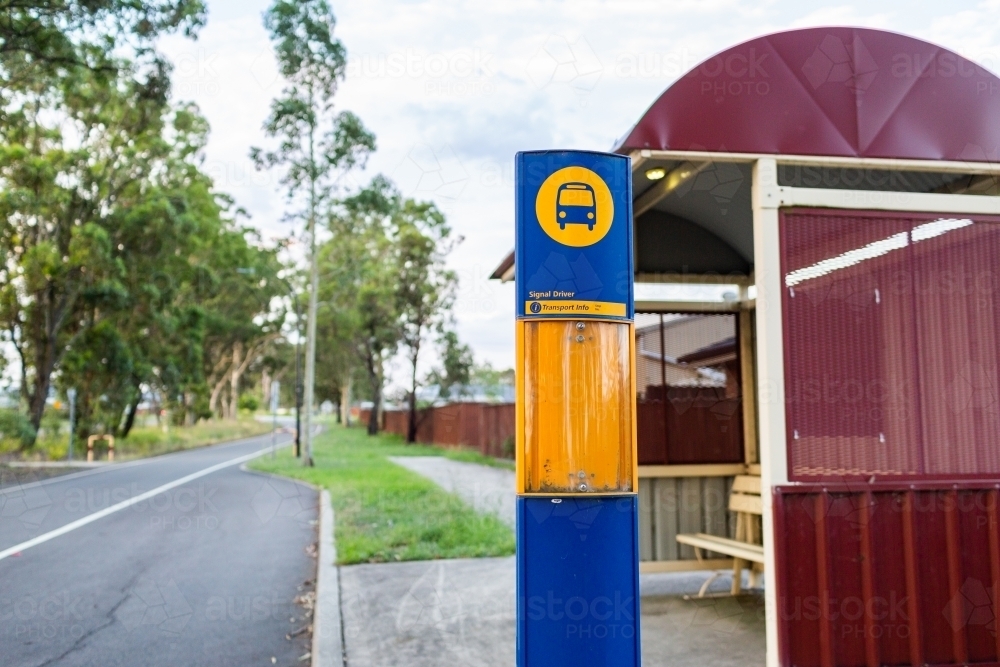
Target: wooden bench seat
(746, 550)
(724, 545)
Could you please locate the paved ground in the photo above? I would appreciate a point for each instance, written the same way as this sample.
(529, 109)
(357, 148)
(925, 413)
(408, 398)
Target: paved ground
(204, 573)
(484, 488)
(425, 614)
(447, 612)
(461, 612)
(9, 476)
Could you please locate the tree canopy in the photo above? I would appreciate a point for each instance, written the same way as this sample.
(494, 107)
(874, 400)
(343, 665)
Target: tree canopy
(129, 277)
(384, 288)
(120, 257)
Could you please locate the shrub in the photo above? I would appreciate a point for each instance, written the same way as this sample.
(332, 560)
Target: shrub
(508, 447)
(51, 423)
(16, 426)
(248, 402)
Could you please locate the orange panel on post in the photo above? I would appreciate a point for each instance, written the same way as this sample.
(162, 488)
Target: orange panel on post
(578, 407)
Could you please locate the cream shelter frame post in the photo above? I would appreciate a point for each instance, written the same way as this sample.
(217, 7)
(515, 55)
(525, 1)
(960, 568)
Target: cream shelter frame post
(770, 374)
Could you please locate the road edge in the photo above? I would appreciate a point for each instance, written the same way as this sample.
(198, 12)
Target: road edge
(327, 640)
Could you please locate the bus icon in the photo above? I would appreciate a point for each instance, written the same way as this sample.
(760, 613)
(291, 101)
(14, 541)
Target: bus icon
(576, 205)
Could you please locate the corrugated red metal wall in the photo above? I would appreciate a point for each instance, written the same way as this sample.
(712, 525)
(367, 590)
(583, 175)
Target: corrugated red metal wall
(887, 542)
(892, 343)
(888, 577)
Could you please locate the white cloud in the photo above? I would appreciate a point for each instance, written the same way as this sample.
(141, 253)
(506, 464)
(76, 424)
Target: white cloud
(453, 88)
(843, 15)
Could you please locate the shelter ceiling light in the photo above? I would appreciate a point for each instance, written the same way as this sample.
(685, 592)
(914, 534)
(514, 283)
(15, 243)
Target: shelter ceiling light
(666, 183)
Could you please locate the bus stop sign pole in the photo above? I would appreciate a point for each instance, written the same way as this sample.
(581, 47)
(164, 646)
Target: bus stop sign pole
(577, 510)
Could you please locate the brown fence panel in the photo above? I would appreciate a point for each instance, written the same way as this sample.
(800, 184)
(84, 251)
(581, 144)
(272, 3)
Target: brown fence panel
(694, 426)
(703, 426)
(499, 428)
(361, 418)
(395, 422)
(483, 426)
(652, 439)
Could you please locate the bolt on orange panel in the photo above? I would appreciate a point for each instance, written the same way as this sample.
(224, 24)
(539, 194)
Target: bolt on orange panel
(577, 427)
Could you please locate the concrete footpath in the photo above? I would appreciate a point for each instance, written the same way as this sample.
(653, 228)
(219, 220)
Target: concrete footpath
(429, 613)
(486, 489)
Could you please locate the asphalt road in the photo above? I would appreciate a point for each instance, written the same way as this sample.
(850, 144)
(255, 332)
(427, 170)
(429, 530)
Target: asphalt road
(201, 572)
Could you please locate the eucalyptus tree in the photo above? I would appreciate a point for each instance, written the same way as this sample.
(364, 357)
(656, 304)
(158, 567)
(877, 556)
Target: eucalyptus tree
(315, 144)
(360, 317)
(48, 39)
(457, 361)
(425, 290)
(241, 289)
(72, 159)
(385, 288)
(113, 242)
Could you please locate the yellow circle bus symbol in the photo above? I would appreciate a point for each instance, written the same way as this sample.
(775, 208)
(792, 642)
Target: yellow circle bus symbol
(574, 207)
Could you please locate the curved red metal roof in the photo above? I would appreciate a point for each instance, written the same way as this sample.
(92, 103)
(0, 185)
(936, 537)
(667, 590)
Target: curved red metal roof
(849, 92)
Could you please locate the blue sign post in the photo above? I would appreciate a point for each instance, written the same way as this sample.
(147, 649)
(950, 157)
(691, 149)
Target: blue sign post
(577, 510)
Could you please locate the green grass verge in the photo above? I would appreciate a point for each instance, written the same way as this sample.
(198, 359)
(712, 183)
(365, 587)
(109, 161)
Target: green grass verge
(386, 512)
(152, 440)
(144, 441)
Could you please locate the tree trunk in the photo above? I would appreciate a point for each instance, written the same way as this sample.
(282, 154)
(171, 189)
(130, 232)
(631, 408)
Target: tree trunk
(130, 415)
(373, 421)
(36, 405)
(217, 384)
(345, 403)
(411, 425)
(213, 400)
(44, 365)
(47, 355)
(265, 387)
(234, 381)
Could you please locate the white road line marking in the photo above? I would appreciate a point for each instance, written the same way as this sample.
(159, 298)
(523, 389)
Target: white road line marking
(90, 518)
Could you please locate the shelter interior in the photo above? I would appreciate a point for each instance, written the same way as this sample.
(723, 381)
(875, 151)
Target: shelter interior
(695, 332)
(696, 366)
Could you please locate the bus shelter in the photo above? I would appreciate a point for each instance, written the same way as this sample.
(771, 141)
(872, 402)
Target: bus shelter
(829, 198)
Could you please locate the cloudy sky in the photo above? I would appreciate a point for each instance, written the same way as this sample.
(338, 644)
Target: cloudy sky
(454, 88)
